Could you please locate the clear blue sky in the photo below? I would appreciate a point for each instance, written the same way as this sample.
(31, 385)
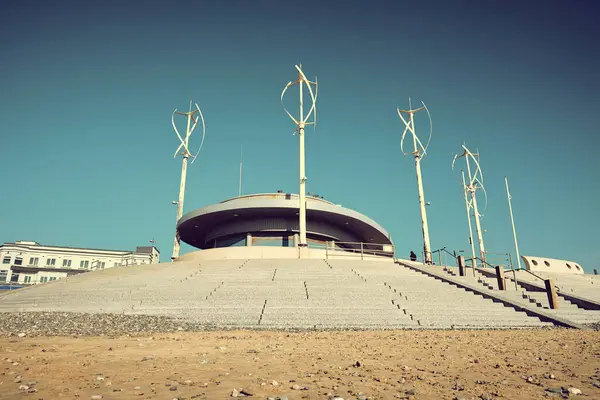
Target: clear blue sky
(87, 91)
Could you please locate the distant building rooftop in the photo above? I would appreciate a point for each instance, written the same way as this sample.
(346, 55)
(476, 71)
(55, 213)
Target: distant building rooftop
(28, 243)
(29, 262)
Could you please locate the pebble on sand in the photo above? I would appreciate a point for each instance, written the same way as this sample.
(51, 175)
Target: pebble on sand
(574, 391)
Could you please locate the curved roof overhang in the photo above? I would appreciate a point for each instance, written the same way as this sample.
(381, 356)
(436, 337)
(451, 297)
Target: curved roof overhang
(196, 225)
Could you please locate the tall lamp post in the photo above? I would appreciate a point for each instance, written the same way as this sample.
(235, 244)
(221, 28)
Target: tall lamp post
(183, 150)
(419, 151)
(309, 119)
(512, 221)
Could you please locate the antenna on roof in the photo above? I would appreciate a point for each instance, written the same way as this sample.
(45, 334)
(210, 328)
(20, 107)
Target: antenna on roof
(419, 151)
(309, 119)
(152, 251)
(475, 181)
(241, 161)
(183, 149)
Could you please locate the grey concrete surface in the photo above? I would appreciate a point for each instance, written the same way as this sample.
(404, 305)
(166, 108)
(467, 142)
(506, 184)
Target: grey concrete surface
(298, 294)
(582, 285)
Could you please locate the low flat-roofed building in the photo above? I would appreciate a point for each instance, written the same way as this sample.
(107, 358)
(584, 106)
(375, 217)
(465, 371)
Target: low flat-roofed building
(28, 262)
(266, 225)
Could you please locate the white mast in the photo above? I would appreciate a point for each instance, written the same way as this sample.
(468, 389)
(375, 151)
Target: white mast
(418, 151)
(185, 152)
(468, 208)
(301, 123)
(476, 214)
(475, 182)
(512, 221)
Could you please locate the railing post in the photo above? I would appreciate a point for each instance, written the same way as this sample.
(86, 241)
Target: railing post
(500, 277)
(440, 257)
(461, 265)
(551, 292)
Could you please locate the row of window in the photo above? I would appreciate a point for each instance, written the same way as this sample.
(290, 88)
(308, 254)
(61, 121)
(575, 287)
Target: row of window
(51, 262)
(548, 264)
(27, 279)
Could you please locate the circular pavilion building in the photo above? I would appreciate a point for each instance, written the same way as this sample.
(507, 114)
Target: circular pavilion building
(266, 226)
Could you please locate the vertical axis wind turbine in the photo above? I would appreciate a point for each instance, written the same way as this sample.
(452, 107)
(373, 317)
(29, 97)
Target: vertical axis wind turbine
(475, 182)
(419, 151)
(192, 121)
(301, 122)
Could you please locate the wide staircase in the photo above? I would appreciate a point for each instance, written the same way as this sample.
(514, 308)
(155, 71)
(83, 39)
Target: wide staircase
(274, 294)
(437, 304)
(584, 285)
(518, 290)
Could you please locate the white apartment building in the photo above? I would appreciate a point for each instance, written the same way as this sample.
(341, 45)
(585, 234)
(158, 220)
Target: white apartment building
(24, 262)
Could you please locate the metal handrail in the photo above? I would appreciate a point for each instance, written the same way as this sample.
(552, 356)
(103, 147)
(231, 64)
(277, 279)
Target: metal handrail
(364, 243)
(506, 270)
(506, 257)
(358, 252)
(452, 254)
(537, 276)
(440, 252)
(511, 269)
(364, 246)
(358, 248)
(483, 261)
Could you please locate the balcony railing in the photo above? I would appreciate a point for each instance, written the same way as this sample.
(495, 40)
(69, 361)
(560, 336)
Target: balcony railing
(358, 249)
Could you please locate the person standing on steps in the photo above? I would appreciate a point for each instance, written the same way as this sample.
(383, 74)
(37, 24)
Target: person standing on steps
(413, 256)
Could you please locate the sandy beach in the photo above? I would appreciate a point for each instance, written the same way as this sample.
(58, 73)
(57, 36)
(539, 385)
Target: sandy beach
(523, 364)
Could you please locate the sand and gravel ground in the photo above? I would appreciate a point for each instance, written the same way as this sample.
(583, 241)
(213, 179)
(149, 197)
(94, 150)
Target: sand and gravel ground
(522, 364)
